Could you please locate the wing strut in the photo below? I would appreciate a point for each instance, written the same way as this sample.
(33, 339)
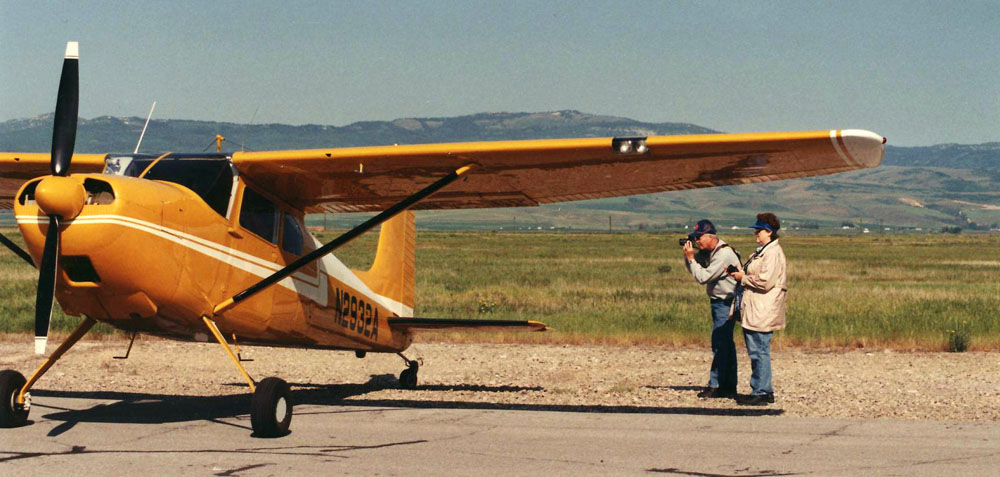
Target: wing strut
(343, 239)
(18, 250)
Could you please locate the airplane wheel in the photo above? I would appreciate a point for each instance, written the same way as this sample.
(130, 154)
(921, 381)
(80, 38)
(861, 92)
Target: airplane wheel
(270, 408)
(11, 414)
(408, 378)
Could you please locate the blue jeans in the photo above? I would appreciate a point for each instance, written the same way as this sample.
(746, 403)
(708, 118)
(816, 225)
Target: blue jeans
(759, 349)
(723, 373)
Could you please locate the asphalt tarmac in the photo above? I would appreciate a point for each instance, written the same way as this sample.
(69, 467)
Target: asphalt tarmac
(131, 434)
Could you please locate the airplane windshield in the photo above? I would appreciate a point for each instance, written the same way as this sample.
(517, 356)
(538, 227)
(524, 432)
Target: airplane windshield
(211, 179)
(127, 165)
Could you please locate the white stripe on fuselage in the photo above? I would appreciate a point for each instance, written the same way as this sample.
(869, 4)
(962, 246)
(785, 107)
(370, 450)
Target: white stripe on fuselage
(315, 288)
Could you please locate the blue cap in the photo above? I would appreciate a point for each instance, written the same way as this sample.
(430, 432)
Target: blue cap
(763, 225)
(703, 227)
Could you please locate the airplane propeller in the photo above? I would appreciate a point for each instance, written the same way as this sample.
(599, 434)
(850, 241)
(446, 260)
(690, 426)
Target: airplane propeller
(58, 196)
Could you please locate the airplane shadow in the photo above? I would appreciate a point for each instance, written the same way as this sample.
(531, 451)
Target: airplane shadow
(143, 408)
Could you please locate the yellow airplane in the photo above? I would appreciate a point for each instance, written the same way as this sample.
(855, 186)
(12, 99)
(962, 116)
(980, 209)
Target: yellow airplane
(213, 246)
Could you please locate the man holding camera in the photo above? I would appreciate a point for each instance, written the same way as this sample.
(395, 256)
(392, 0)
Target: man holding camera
(709, 268)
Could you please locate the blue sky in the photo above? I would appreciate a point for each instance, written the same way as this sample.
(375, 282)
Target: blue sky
(917, 72)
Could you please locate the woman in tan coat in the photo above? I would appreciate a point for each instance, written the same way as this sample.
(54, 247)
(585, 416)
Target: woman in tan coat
(763, 306)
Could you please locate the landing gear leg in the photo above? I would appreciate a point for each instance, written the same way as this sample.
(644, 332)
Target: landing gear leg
(15, 401)
(408, 378)
(270, 408)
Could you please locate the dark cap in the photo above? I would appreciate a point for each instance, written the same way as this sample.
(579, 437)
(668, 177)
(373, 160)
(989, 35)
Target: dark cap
(703, 227)
(762, 225)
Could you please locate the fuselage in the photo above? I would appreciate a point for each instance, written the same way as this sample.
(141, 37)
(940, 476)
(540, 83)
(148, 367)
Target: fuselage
(156, 254)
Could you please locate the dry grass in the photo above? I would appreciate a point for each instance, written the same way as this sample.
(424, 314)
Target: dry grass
(901, 292)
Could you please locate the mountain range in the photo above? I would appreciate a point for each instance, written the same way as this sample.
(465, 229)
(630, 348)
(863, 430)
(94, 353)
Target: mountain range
(945, 185)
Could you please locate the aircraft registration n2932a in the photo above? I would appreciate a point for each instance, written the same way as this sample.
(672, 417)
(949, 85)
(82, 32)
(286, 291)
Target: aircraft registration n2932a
(213, 246)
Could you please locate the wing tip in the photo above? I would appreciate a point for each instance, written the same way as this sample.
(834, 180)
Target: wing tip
(72, 50)
(862, 148)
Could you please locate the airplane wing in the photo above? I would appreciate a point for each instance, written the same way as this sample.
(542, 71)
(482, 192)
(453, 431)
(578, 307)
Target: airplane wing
(414, 324)
(16, 168)
(529, 173)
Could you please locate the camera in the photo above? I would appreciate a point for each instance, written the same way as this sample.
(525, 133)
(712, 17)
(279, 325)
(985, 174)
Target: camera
(731, 269)
(690, 238)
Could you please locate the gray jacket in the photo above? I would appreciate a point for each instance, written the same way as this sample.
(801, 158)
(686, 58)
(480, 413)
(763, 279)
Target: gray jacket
(713, 274)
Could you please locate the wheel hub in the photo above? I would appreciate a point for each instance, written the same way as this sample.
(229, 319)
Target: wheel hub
(14, 406)
(280, 410)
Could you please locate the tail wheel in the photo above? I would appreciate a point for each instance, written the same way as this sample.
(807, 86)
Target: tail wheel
(12, 414)
(271, 409)
(408, 378)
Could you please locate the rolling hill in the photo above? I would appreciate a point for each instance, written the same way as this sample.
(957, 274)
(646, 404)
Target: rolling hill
(930, 187)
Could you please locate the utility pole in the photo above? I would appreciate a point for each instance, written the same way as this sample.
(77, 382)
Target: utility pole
(609, 224)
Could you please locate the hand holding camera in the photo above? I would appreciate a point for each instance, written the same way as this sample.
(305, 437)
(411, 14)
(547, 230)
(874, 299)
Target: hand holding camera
(689, 248)
(734, 272)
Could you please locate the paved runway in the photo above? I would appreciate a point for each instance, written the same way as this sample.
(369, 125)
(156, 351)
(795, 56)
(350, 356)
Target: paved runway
(104, 434)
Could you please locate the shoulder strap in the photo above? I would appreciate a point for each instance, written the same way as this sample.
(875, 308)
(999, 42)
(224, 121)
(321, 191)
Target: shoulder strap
(739, 258)
(756, 254)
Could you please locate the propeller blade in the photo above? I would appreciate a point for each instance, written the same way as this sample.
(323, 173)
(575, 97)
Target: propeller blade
(67, 104)
(46, 284)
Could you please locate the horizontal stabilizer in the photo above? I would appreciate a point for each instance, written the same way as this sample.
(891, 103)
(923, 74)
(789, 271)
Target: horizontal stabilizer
(457, 324)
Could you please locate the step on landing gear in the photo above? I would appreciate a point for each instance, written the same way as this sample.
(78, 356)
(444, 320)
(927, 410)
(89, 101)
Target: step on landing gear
(408, 378)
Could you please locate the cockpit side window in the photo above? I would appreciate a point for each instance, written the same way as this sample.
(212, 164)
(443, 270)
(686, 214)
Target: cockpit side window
(291, 236)
(211, 179)
(259, 215)
(136, 166)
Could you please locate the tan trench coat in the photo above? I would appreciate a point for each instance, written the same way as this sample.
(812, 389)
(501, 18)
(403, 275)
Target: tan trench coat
(764, 287)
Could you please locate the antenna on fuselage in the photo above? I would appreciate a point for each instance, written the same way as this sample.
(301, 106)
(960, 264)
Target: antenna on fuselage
(143, 133)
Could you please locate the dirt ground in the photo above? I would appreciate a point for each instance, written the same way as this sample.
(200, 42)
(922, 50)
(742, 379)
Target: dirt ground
(855, 383)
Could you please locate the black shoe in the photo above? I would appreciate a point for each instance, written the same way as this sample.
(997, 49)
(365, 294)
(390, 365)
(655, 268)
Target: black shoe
(756, 400)
(716, 393)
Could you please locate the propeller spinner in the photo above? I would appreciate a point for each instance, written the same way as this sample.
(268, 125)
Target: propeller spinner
(58, 196)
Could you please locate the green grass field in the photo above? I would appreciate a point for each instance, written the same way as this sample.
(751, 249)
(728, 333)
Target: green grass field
(904, 292)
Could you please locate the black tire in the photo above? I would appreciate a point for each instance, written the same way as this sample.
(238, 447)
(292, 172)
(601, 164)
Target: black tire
(271, 408)
(11, 414)
(408, 378)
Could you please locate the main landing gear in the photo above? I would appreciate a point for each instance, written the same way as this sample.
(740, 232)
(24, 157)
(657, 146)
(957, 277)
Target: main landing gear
(408, 378)
(12, 414)
(270, 407)
(15, 401)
